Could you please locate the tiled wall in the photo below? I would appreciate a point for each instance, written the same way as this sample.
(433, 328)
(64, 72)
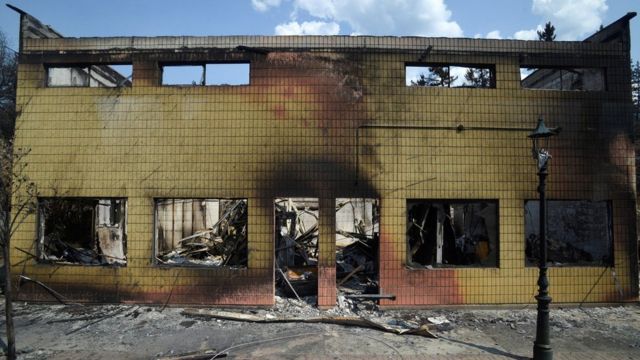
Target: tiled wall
(326, 124)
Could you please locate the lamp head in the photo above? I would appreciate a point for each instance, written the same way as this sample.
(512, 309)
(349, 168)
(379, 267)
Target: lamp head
(540, 143)
(542, 131)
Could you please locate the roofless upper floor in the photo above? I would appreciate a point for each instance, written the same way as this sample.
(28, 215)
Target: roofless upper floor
(37, 38)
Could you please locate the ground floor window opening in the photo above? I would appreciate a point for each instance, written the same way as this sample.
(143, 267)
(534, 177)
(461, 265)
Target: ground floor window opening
(446, 233)
(201, 232)
(82, 231)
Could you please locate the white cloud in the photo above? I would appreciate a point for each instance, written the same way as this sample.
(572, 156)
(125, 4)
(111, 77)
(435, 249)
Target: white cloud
(264, 5)
(458, 72)
(308, 28)
(495, 34)
(527, 34)
(573, 19)
(399, 17)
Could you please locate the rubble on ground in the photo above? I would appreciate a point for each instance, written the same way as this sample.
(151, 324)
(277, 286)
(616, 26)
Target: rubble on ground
(113, 331)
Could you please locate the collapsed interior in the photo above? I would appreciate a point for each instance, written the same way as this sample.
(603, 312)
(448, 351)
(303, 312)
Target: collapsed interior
(357, 245)
(84, 231)
(452, 233)
(296, 246)
(579, 232)
(201, 232)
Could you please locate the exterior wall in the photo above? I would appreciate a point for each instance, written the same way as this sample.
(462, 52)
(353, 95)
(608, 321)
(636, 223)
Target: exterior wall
(337, 121)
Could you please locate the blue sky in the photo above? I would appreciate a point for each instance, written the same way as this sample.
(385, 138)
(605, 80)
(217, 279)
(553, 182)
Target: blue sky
(574, 19)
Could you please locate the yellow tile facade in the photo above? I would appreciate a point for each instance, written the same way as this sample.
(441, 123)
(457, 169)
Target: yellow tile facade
(325, 117)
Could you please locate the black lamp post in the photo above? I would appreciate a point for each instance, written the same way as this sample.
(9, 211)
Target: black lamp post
(540, 137)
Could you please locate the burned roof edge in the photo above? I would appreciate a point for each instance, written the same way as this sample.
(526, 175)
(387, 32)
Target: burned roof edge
(37, 37)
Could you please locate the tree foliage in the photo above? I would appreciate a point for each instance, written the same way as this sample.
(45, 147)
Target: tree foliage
(478, 77)
(548, 33)
(436, 76)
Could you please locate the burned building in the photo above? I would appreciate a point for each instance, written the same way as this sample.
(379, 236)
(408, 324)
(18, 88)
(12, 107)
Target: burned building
(326, 164)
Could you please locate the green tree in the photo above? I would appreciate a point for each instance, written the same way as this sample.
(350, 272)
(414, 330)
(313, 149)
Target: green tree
(437, 76)
(477, 77)
(548, 33)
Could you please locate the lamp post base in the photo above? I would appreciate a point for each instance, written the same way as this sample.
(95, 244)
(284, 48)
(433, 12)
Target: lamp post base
(542, 345)
(542, 352)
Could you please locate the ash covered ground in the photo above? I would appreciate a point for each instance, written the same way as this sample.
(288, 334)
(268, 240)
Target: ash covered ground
(143, 332)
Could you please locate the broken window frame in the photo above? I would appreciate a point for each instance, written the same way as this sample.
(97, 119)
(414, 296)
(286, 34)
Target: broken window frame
(570, 69)
(106, 260)
(187, 264)
(125, 80)
(203, 78)
(532, 261)
(427, 66)
(493, 250)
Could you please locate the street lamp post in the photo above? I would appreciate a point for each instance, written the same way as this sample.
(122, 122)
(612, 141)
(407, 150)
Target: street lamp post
(540, 138)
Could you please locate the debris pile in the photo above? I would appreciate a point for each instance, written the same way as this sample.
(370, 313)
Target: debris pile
(357, 239)
(224, 243)
(296, 246)
(290, 310)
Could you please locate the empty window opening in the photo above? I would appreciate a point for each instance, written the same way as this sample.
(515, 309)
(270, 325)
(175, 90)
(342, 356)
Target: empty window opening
(296, 246)
(227, 74)
(452, 233)
(579, 233)
(450, 76)
(566, 79)
(357, 244)
(84, 231)
(201, 232)
(90, 76)
(210, 74)
(183, 75)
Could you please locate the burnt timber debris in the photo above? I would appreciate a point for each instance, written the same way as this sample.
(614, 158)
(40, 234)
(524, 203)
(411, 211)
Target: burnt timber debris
(61, 299)
(202, 232)
(296, 246)
(357, 246)
(83, 231)
(357, 237)
(394, 327)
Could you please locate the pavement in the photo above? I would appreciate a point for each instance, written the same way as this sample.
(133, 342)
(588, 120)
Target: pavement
(143, 332)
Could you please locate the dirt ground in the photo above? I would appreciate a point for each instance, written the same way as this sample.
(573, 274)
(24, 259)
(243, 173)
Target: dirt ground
(142, 332)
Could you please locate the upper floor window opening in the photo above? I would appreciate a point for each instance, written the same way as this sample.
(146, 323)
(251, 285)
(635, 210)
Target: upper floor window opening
(206, 74)
(563, 78)
(449, 75)
(89, 75)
